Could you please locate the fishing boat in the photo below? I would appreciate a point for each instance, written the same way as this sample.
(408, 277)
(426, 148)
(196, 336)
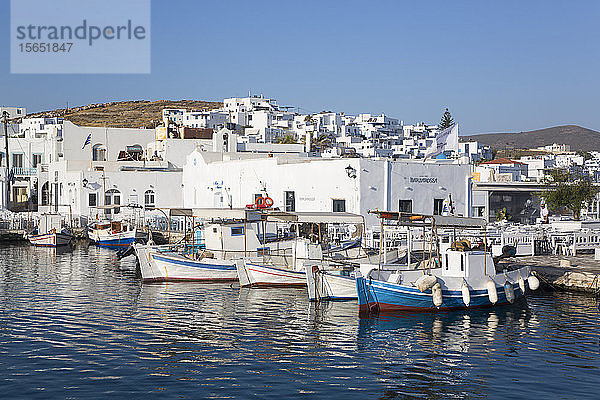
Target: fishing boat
(458, 277)
(112, 234)
(50, 232)
(213, 252)
(289, 269)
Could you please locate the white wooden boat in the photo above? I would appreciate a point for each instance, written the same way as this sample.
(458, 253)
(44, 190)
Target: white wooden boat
(49, 232)
(289, 269)
(327, 283)
(257, 273)
(219, 253)
(113, 234)
(160, 266)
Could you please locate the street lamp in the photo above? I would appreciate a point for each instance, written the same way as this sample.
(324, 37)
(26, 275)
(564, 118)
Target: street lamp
(351, 172)
(84, 182)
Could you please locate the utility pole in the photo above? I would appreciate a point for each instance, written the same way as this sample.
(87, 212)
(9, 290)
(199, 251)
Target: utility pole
(5, 116)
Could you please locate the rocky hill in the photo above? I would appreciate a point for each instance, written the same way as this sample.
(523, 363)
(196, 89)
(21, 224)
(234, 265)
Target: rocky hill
(125, 114)
(579, 138)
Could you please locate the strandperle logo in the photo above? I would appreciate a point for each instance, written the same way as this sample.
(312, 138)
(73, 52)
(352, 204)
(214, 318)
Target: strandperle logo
(85, 31)
(75, 36)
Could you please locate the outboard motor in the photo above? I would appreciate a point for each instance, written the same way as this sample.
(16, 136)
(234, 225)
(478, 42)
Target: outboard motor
(125, 252)
(507, 252)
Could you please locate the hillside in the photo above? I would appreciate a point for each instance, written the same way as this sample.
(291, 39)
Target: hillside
(125, 114)
(577, 137)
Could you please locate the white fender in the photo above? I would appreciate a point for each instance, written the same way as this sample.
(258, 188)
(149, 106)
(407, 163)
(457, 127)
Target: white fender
(533, 282)
(466, 294)
(492, 292)
(522, 284)
(425, 282)
(509, 291)
(437, 294)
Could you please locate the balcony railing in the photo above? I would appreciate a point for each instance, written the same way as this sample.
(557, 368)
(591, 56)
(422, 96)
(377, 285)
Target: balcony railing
(23, 171)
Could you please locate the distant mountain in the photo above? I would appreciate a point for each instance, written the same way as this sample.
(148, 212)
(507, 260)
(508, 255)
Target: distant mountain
(577, 137)
(125, 114)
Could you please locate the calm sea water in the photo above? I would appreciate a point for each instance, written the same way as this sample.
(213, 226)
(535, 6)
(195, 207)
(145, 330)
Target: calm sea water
(81, 325)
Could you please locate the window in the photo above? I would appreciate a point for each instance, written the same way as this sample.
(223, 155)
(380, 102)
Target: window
(99, 152)
(290, 201)
(237, 231)
(46, 194)
(36, 160)
(112, 197)
(339, 205)
(17, 160)
(20, 194)
(149, 198)
(405, 206)
(92, 199)
(438, 205)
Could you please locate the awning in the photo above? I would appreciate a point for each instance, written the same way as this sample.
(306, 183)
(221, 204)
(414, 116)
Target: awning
(314, 217)
(216, 213)
(441, 221)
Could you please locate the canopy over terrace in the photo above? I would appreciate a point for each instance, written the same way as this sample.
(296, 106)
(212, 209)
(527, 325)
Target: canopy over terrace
(313, 217)
(440, 221)
(240, 214)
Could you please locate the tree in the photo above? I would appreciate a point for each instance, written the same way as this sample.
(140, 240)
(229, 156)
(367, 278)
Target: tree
(568, 191)
(322, 142)
(446, 121)
(287, 139)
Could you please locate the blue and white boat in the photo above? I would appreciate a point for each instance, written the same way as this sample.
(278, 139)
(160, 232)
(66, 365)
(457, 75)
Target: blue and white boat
(113, 234)
(456, 278)
(215, 252)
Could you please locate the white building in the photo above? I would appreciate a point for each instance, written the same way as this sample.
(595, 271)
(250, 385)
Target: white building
(351, 185)
(13, 112)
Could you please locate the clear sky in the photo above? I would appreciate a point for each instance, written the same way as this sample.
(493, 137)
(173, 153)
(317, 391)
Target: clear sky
(499, 66)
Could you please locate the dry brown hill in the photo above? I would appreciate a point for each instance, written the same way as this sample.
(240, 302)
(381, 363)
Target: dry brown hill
(579, 138)
(125, 114)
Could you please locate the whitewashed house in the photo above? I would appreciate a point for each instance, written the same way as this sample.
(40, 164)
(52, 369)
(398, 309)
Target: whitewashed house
(351, 185)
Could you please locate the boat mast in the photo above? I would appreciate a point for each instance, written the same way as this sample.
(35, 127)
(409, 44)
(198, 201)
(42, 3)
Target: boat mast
(5, 116)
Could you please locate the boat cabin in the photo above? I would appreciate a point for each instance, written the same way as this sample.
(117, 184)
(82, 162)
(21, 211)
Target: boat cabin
(462, 264)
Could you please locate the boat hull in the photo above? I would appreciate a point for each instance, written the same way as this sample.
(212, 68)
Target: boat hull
(50, 240)
(117, 240)
(156, 266)
(379, 296)
(326, 285)
(257, 274)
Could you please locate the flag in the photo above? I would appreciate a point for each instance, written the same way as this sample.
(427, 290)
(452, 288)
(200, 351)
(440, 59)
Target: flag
(444, 140)
(87, 141)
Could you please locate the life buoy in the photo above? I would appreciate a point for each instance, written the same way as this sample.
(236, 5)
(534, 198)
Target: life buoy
(268, 201)
(260, 202)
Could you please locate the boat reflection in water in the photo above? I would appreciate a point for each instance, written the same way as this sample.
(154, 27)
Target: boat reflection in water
(435, 353)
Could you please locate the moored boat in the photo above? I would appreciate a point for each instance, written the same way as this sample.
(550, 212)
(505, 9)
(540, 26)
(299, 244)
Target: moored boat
(216, 251)
(53, 234)
(457, 278)
(257, 273)
(158, 265)
(113, 234)
(326, 283)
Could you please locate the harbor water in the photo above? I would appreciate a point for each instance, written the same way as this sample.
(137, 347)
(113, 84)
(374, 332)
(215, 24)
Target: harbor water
(80, 324)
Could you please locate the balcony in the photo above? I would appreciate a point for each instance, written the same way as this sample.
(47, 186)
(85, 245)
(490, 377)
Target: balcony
(23, 171)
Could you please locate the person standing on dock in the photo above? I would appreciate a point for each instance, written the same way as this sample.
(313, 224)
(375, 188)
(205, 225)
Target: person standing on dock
(544, 213)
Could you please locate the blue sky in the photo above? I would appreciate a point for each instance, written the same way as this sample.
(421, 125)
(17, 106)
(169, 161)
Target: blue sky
(498, 66)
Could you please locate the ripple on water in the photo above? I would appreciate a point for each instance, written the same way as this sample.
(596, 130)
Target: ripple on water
(80, 324)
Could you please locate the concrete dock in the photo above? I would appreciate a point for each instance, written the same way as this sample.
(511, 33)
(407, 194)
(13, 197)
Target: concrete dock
(8, 236)
(579, 273)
